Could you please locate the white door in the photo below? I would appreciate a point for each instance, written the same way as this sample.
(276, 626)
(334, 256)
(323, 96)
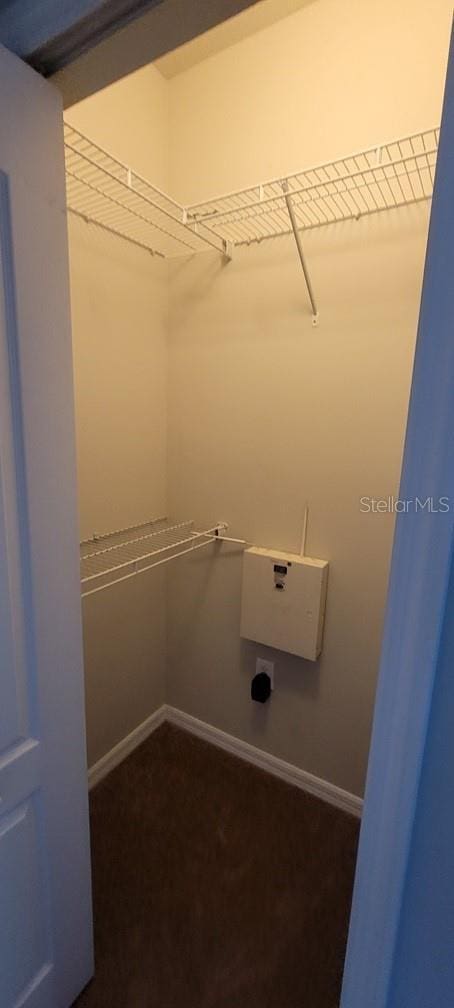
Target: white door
(45, 900)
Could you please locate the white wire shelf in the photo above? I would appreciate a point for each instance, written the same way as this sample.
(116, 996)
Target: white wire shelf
(104, 191)
(384, 177)
(105, 560)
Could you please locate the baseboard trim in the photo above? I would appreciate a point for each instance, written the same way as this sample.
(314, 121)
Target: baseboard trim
(266, 761)
(120, 751)
(244, 750)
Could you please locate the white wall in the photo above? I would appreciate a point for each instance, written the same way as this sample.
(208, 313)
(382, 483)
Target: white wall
(338, 76)
(131, 119)
(119, 317)
(125, 659)
(119, 314)
(266, 412)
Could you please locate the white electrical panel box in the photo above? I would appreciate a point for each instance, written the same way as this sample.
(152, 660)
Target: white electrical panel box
(283, 601)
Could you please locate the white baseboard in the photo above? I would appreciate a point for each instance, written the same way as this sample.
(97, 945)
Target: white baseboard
(258, 757)
(126, 746)
(272, 764)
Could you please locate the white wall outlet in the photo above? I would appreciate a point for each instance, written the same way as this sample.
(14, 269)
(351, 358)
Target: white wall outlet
(262, 665)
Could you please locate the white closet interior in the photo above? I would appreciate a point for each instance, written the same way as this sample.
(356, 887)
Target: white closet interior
(210, 412)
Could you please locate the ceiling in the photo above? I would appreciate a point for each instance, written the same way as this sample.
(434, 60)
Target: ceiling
(249, 21)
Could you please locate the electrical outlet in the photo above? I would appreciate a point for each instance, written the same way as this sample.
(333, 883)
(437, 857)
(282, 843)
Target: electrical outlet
(262, 665)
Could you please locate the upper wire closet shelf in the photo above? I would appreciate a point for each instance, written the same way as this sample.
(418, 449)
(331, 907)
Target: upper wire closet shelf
(384, 177)
(100, 188)
(103, 190)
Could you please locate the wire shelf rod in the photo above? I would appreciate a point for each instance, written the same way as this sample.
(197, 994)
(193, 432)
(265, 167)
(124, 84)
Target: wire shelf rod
(237, 542)
(128, 210)
(100, 537)
(341, 213)
(147, 536)
(347, 177)
(141, 570)
(253, 239)
(132, 192)
(184, 540)
(106, 208)
(115, 231)
(140, 552)
(126, 167)
(434, 130)
(142, 557)
(96, 565)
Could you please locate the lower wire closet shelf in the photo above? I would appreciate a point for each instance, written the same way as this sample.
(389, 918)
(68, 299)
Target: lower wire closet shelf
(107, 559)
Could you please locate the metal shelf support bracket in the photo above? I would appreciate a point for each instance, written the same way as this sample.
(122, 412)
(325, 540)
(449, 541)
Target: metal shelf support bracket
(299, 245)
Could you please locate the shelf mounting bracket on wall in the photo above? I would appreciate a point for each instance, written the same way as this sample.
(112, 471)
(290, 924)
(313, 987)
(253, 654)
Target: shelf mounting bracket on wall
(299, 245)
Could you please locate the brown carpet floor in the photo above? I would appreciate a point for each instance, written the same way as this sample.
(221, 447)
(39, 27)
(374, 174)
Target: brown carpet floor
(215, 885)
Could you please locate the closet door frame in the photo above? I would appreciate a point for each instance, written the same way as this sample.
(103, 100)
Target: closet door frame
(416, 612)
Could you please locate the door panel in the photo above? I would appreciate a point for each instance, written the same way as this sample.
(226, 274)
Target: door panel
(27, 939)
(45, 904)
